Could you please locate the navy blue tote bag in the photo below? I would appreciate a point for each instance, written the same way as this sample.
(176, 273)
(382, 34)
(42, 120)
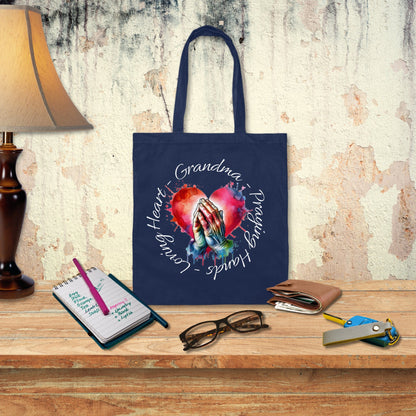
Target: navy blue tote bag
(210, 210)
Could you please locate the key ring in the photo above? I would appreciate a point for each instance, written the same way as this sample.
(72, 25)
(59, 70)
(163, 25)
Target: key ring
(393, 340)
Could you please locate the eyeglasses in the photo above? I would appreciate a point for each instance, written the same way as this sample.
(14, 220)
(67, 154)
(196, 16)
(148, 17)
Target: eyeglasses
(204, 333)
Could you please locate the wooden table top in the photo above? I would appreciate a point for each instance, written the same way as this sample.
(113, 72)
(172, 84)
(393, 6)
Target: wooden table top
(36, 332)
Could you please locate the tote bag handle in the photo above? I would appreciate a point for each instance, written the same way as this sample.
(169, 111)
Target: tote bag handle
(182, 88)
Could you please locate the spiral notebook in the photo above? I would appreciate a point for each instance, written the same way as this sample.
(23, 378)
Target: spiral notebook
(127, 313)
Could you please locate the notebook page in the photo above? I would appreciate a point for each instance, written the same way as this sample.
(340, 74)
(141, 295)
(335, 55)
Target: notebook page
(126, 311)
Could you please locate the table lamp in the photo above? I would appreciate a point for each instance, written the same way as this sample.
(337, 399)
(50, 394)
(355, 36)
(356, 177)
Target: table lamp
(32, 98)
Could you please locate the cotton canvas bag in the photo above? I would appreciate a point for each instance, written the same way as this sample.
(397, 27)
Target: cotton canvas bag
(210, 210)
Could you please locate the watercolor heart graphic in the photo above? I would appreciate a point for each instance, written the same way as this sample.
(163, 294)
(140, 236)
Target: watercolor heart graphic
(228, 200)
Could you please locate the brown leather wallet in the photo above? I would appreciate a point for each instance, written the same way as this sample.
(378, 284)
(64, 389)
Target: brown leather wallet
(303, 296)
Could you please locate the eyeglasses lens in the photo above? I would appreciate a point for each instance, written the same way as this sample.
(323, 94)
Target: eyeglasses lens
(245, 321)
(201, 334)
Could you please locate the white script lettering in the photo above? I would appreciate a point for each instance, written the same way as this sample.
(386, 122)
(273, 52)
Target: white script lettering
(164, 239)
(256, 219)
(181, 171)
(227, 265)
(158, 203)
(157, 206)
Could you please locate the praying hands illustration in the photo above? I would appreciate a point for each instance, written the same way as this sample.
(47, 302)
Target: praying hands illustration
(209, 230)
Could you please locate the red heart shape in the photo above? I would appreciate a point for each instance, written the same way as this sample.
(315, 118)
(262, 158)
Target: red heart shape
(228, 200)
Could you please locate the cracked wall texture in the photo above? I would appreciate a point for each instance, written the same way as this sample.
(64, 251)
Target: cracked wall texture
(337, 76)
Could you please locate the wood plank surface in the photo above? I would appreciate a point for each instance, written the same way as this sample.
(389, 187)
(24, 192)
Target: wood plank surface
(49, 365)
(350, 301)
(211, 404)
(206, 392)
(36, 332)
(250, 381)
(190, 392)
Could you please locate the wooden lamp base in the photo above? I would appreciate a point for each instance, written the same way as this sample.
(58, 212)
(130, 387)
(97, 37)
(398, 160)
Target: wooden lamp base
(16, 287)
(13, 284)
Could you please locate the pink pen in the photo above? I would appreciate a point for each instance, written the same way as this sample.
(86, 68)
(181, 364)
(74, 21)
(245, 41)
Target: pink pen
(92, 289)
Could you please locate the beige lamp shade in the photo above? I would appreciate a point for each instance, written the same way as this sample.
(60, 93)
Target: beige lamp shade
(31, 95)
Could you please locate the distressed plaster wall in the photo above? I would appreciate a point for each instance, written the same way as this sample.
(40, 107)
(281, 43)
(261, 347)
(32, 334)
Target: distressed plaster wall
(337, 76)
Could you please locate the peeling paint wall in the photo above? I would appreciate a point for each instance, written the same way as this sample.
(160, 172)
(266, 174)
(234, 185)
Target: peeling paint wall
(337, 76)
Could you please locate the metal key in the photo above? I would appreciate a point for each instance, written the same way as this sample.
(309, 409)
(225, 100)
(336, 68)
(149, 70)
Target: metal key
(361, 328)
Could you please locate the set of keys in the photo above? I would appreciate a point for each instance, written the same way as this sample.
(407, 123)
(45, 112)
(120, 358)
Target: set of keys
(361, 328)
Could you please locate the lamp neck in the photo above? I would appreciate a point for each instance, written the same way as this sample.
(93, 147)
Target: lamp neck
(7, 140)
(8, 177)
